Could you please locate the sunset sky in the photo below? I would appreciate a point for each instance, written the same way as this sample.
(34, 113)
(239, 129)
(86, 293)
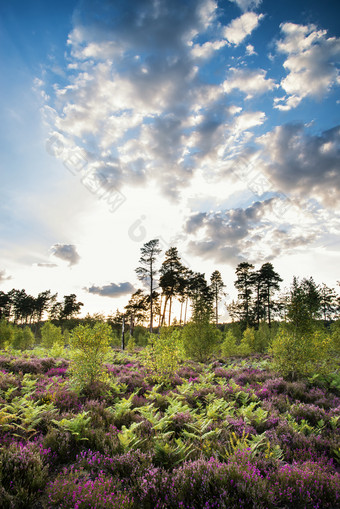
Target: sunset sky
(213, 125)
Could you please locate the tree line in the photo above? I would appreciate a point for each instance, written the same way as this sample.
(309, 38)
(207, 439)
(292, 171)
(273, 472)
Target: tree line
(258, 297)
(22, 308)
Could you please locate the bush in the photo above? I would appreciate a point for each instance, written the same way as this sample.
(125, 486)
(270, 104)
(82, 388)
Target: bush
(22, 474)
(76, 489)
(247, 345)
(6, 333)
(89, 348)
(200, 340)
(229, 346)
(163, 354)
(263, 337)
(51, 335)
(301, 356)
(335, 328)
(131, 345)
(23, 338)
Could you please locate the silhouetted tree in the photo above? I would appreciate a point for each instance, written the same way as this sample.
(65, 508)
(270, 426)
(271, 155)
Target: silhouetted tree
(71, 307)
(245, 284)
(147, 270)
(216, 286)
(267, 282)
(171, 278)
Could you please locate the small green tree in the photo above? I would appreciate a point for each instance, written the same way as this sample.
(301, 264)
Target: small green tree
(89, 349)
(163, 354)
(23, 339)
(50, 335)
(301, 356)
(247, 345)
(229, 346)
(335, 329)
(200, 340)
(6, 333)
(263, 337)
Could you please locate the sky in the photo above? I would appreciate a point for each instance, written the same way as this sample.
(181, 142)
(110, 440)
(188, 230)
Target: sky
(213, 125)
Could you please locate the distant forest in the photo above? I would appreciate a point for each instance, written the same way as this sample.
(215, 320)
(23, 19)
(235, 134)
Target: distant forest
(259, 297)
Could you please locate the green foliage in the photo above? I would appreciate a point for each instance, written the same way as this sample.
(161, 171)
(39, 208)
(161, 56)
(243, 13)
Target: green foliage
(89, 349)
(131, 344)
(23, 415)
(229, 346)
(76, 425)
(163, 354)
(335, 328)
(51, 335)
(200, 340)
(263, 337)
(301, 356)
(22, 338)
(247, 345)
(6, 333)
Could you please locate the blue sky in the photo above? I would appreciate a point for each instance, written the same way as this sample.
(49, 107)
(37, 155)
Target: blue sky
(211, 124)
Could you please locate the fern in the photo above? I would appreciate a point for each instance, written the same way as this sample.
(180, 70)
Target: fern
(76, 426)
(128, 438)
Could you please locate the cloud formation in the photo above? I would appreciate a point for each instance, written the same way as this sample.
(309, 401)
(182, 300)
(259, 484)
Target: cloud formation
(246, 5)
(241, 27)
(257, 233)
(136, 105)
(3, 276)
(249, 81)
(67, 252)
(311, 63)
(47, 265)
(303, 164)
(112, 290)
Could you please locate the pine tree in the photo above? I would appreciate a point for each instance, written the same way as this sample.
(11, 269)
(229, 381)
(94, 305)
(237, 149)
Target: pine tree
(268, 283)
(217, 286)
(147, 270)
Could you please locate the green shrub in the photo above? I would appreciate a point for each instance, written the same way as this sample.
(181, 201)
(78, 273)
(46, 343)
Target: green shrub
(335, 329)
(163, 354)
(51, 335)
(23, 338)
(6, 333)
(229, 346)
(131, 344)
(89, 349)
(301, 356)
(247, 345)
(200, 340)
(263, 337)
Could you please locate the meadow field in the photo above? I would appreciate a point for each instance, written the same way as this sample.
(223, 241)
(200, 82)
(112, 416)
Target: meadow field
(228, 433)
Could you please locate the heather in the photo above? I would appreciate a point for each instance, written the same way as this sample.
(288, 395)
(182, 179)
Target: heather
(225, 433)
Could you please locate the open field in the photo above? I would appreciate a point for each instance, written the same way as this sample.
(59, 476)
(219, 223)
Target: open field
(228, 434)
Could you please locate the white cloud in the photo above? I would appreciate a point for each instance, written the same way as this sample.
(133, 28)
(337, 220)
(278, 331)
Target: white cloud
(250, 50)
(207, 49)
(311, 63)
(250, 81)
(245, 5)
(241, 27)
(247, 120)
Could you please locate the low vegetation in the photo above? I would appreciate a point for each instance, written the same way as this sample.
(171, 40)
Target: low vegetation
(251, 422)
